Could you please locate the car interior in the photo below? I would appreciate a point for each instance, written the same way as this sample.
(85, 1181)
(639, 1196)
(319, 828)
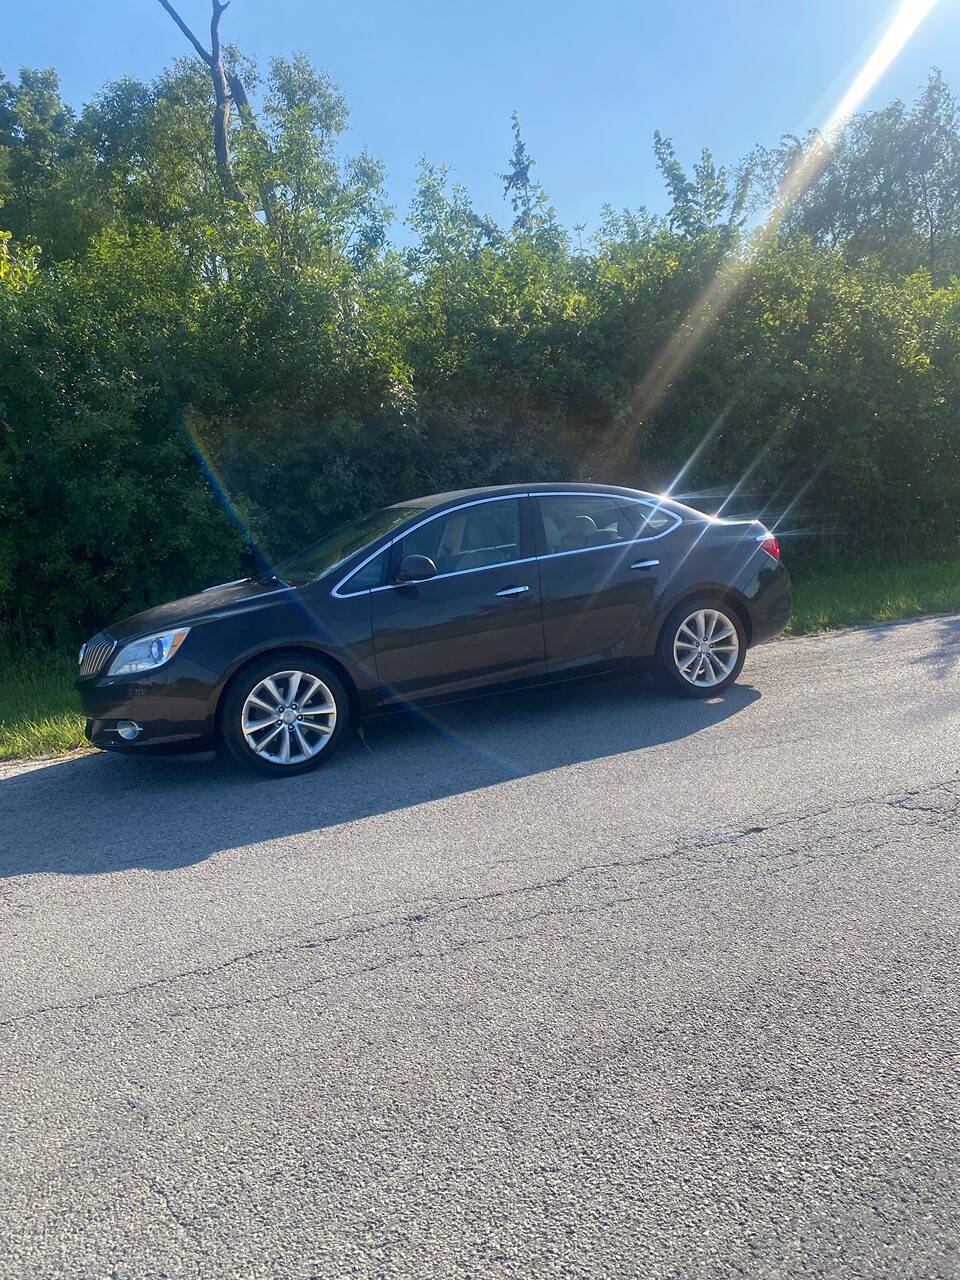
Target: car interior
(476, 537)
(469, 539)
(575, 523)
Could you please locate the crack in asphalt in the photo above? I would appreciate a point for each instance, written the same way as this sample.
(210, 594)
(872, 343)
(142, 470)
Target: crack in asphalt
(157, 1189)
(908, 802)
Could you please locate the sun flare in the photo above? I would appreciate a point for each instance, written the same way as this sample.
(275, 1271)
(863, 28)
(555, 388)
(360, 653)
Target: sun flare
(678, 353)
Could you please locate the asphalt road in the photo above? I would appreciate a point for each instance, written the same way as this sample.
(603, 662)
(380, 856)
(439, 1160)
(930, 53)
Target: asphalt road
(581, 983)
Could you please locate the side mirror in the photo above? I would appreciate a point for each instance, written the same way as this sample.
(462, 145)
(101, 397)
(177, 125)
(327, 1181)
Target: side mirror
(415, 569)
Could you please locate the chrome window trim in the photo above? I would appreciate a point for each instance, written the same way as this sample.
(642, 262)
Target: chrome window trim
(650, 500)
(605, 546)
(447, 511)
(456, 573)
(364, 591)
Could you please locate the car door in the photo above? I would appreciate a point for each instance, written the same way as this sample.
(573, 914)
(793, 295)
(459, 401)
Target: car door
(477, 623)
(603, 565)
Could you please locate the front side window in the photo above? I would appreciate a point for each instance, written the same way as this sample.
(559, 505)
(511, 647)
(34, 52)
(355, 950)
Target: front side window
(577, 522)
(339, 545)
(469, 538)
(371, 575)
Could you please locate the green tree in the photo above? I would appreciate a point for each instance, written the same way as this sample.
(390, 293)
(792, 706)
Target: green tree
(891, 185)
(201, 367)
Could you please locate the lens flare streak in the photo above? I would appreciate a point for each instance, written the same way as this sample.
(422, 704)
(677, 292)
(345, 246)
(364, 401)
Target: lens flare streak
(678, 353)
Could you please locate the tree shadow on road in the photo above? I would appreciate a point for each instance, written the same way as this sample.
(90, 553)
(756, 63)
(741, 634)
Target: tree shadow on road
(943, 658)
(945, 651)
(100, 813)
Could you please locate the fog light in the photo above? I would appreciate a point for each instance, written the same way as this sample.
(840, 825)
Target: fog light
(128, 729)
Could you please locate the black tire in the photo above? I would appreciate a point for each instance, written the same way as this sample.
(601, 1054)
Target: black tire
(295, 726)
(675, 648)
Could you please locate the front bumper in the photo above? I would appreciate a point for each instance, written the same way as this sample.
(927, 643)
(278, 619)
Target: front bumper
(106, 735)
(171, 707)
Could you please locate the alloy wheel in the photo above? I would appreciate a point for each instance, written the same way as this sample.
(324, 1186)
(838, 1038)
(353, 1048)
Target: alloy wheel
(288, 717)
(706, 647)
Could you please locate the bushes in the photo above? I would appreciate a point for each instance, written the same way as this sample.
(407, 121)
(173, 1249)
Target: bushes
(184, 389)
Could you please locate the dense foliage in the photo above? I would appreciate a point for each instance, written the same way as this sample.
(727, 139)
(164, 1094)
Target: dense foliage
(189, 379)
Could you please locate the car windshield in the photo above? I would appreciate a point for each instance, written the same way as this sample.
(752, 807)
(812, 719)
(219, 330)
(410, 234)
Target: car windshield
(339, 545)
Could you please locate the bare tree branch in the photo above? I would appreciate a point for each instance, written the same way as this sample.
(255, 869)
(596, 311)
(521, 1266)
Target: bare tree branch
(221, 117)
(215, 16)
(187, 32)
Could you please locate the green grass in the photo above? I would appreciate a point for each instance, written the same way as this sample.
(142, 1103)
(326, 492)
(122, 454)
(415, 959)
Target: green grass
(40, 713)
(39, 709)
(843, 598)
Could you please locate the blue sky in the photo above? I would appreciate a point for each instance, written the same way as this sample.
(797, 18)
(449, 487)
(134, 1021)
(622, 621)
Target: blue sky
(591, 82)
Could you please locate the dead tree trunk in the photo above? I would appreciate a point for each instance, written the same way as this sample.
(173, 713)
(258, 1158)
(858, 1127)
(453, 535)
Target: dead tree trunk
(227, 89)
(245, 111)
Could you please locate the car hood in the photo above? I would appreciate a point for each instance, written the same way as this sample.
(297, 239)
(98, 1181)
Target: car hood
(230, 597)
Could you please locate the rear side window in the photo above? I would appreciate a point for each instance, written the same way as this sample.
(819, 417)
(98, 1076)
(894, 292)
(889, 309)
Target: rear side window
(576, 522)
(650, 518)
(472, 537)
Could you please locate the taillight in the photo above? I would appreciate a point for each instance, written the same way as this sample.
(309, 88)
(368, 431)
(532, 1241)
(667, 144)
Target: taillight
(770, 545)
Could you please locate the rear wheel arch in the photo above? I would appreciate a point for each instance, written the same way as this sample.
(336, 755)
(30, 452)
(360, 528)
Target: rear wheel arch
(688, 660)
(722, 595)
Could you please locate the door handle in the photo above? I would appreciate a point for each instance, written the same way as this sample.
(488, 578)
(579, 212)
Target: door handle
(512, 591)
(644, 564)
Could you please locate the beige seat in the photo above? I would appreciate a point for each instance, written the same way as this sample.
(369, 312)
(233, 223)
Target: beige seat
(480, 558)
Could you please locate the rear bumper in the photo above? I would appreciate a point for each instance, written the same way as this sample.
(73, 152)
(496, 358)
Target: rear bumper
(771, 602)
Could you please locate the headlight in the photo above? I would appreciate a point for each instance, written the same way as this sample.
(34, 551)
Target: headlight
(148, 653)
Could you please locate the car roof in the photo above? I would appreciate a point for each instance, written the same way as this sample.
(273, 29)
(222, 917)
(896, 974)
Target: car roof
(540, 486)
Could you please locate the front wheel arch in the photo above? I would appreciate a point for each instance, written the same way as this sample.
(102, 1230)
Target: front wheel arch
(295, 650)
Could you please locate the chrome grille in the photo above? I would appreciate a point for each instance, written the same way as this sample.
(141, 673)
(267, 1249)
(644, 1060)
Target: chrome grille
(96, 654)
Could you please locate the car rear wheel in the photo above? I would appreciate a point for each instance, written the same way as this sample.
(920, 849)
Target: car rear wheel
(284, 715)
(702, 647)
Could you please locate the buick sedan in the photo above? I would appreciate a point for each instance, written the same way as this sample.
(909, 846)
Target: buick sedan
(431, 599)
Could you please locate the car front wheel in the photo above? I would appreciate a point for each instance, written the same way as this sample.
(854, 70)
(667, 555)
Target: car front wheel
(702, 647)
(284, 715)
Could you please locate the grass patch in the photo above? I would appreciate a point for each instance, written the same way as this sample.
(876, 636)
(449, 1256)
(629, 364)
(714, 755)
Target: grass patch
(845, 597)
(39, 708)
(40, 711)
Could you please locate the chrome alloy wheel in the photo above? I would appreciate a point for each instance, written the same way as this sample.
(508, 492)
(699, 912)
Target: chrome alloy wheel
(288, 717)
(706, 647)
